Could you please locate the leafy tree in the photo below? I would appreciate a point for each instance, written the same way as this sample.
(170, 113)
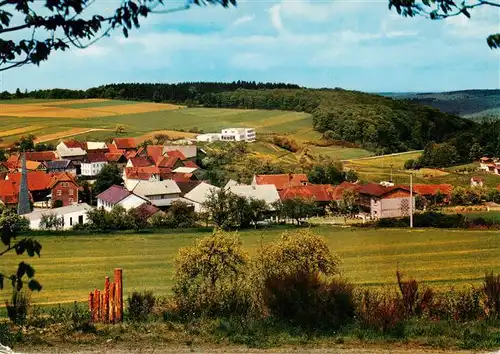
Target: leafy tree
(442, 9)
(3, 155)
(67, 23)
(160, 138)
(181, 215)
(97, 219)
(26, 143)
(119, 219)
(350, 202)
(299, 208)
(120, 129)
(137, 221)
(210, 277)
(51, 221)
(44, 147)
(219, 204)
(11, 224)
(328, 173)
(476, 151)
(351, 176)
(458, 196)
(108, 176)
(145, 143)
(439, 155)
(257, 210)
(409, 164)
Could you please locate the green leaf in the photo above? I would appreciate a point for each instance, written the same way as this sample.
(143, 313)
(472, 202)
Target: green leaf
(34, 285)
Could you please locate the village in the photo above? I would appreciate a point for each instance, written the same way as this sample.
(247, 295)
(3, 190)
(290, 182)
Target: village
(156, 176)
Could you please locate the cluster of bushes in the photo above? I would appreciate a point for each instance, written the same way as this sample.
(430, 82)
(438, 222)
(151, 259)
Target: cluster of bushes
(427, 219)
(285, 143)
(179, 215)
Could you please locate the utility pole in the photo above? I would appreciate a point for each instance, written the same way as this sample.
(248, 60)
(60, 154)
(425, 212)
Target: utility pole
(411, 200)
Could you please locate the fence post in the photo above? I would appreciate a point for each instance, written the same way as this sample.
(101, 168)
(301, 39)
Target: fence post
(112, 306)
(91, 305)
(119, 294)
(105, 316)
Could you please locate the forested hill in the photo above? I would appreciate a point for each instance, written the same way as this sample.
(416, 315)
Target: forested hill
(467, 103)
(379, 123)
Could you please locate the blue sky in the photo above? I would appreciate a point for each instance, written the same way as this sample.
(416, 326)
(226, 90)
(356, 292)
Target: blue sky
(350, 44)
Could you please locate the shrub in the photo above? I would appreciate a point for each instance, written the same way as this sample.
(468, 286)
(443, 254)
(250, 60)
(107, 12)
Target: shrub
(304, 300)
(58, 203)
(51, 221)
(18, 307)
(461, 305)
(210, 277)
(414, 302)
(491, 288)
(140, 306)
(380, 311)
(295, 252)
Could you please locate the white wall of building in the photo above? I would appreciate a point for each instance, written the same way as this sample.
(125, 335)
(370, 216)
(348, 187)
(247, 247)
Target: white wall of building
(92, 168)
(238, 134)
(72, 216)
(130, 202)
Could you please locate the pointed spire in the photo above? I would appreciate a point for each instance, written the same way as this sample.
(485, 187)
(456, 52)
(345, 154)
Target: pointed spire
(23, 207)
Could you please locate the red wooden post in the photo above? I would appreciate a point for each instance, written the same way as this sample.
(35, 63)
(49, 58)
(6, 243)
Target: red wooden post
(98, 304)
(105, 317)
(91, 305)
(119, 294)
(112, 305)
(95, 310)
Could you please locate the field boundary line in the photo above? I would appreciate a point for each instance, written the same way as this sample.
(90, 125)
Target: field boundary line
(382, 156)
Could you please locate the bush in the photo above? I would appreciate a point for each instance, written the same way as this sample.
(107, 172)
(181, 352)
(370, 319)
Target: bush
(427, 219)
(414, 302)
(210, 277)
(140, 306)
(491, 288)
(58, 203)
(18, 307)
(304, 300)
(380, 311)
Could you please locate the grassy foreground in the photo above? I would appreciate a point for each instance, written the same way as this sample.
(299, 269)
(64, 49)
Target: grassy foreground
(71, 266)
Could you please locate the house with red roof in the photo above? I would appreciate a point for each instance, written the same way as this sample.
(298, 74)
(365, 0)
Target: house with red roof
(9, 193)
(46, 189)
(476, 182)
(139, 162)
(146, 211)
(320, 193)
(281, 181)
(38, 184)
(126, 144)
(386, 201)
(41, 156)
(63, 188)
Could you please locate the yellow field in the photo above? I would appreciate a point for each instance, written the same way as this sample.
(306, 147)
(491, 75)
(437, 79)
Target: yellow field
(47, 110)
(134, 108)
(17, 131)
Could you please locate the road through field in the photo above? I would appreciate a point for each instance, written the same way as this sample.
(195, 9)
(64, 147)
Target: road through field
(61, 135)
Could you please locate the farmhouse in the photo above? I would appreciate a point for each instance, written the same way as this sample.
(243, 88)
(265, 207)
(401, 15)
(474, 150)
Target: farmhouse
(147, 211)
(41, 156)
(208, 138)
(281, 181)
(198, 195)
(126, 144)
(72, 150)
(97, 146)
(9, 193)
(118, 195)
(72, 215)
(476, 182)
(265, 192)
(386, 202)
(64, 189)
(320, 193)
(159, 193)
(93, 163)
(38, 184)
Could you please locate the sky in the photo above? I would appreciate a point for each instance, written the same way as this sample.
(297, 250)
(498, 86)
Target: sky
(351, 44)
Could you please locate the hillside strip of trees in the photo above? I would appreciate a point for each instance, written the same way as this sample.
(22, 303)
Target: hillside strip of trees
(380, 124)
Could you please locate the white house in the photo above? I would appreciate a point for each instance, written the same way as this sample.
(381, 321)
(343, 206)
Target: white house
(238, 134)
(72, 214)
(66, 149)
(208, 138)
(265, 192)
(199, 194)
(96, 145)
(159, 193)
(93, 163)
(118, 195)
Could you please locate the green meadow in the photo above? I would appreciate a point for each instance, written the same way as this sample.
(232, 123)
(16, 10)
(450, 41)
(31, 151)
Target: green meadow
(71, 266)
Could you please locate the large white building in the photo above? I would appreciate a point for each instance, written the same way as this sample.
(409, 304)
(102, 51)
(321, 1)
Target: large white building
(72, 215)
(230, 134)
(93, 163)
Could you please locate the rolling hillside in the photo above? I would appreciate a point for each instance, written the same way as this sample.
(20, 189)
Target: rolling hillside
(475, 104)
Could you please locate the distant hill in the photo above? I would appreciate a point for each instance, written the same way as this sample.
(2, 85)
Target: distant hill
(474, 104)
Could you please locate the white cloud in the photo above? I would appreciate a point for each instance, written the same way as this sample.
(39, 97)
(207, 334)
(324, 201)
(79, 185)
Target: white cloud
(243, 20)
(275, 15)
(252, 61)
